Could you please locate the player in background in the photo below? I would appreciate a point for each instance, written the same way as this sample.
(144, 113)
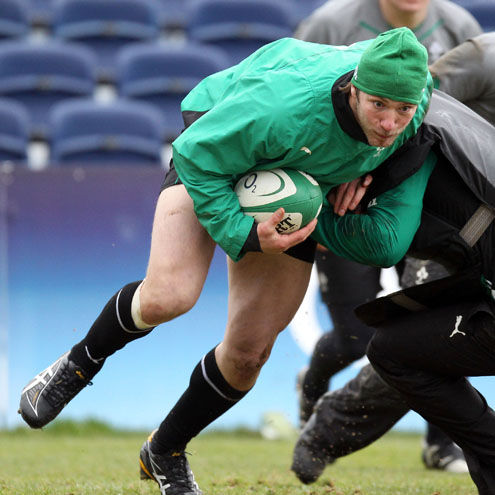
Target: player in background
(439, 25)
(467, 73)
(263, 113)
(430, 337)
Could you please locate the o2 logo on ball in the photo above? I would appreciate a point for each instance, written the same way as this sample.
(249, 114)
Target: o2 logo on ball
(272, 185)
(262, 192)
(250, 182)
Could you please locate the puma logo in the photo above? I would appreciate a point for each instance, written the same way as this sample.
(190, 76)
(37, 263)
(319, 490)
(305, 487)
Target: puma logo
(456, 328)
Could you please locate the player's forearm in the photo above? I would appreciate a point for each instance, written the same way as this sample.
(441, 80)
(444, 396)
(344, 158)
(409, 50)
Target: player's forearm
(369, 239)
(382, 235)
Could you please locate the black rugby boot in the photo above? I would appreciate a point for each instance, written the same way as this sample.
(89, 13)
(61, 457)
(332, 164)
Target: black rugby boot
(170, 470)
(49, 392)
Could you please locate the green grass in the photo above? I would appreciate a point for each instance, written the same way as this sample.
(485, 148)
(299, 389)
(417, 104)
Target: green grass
(93, 459)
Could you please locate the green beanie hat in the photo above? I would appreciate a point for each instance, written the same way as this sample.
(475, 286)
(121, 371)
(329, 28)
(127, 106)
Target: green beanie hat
(394, 66)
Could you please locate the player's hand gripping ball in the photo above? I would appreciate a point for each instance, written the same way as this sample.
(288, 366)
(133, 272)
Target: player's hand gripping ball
(263, 192)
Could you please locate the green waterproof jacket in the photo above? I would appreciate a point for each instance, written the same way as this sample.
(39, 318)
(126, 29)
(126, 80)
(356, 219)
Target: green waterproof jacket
(274, 109)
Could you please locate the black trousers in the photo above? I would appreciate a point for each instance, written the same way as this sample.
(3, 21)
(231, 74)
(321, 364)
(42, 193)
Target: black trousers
(350, 418)
(345, 285)
(426, 356)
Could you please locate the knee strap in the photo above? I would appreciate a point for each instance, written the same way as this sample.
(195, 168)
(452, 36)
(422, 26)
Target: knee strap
(136, 310)
(124, 308)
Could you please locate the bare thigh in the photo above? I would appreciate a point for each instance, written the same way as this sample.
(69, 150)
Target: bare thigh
(265, 291)
(181, 253)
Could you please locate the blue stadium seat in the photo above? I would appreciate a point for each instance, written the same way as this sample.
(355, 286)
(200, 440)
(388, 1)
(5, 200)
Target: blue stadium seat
(173, 14)
(239, 26)
(14, 19)
(39, 75)
(106, 26)
(484, 13)
(163, 74)
(41, 12)
(14, 132)
(121, 132)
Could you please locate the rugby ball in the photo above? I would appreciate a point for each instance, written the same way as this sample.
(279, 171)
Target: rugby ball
(262, 192)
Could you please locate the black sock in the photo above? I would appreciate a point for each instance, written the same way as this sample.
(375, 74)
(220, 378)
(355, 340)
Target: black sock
(207, 397)
(111, 331)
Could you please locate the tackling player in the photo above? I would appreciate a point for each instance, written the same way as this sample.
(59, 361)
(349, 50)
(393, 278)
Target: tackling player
(432, 336)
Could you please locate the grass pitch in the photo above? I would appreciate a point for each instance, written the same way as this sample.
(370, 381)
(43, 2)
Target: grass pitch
(91, 459)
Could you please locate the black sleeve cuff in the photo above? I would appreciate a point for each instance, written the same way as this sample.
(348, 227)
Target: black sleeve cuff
(252, 242)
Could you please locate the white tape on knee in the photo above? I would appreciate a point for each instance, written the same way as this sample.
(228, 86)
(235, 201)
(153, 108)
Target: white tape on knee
(136, 310)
